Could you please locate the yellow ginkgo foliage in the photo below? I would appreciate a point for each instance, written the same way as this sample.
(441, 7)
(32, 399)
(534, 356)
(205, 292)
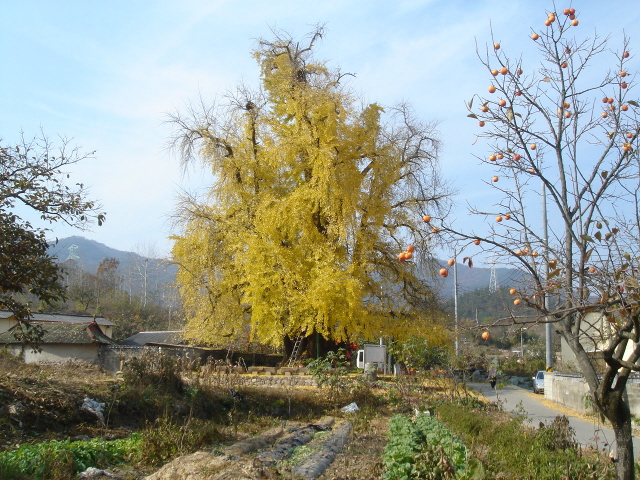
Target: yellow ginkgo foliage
(312, 197)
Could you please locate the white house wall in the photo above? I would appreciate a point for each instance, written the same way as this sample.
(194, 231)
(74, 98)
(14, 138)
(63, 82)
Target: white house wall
(595, 333)
(59, 353)
(6, 324)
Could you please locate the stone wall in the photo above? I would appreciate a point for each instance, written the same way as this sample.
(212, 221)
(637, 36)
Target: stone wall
(571, 390)
(277, 381)
(566, 389)
(633, 396)
(256, 376)
(234, 380)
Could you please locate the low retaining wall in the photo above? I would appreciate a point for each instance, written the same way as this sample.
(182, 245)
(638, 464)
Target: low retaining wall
(213, 369)
(277, 381)
(249, 380)
(567, 389)
(572, 391)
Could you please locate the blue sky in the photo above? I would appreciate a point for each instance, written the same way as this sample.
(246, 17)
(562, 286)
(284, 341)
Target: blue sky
(106, 73)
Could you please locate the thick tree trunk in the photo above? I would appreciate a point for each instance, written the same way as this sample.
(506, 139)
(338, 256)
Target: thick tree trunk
(610, 402)
(624, 441)
(287, 348)
(313, 346)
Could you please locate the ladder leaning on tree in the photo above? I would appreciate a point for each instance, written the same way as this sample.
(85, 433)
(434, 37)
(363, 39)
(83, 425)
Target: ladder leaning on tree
(230, 352)
(295, 353)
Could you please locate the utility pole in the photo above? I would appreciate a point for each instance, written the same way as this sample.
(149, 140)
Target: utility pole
(545, 236)
(455, 298)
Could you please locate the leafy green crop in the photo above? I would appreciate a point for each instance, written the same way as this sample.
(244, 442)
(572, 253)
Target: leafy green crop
(55, 458)
(422, 449)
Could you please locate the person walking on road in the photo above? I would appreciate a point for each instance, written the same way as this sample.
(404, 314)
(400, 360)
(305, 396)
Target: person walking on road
(493, 373)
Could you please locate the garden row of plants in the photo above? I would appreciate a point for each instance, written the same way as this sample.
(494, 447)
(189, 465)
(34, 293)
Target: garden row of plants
(158, 443)
(64, 459)
(468, 439)
(472, 440)
(423, 448)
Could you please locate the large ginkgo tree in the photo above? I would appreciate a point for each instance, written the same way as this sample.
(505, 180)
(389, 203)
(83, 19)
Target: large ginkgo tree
(312, 200)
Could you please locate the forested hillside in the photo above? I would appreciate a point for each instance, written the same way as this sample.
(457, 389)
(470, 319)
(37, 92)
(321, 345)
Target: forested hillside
(133, 290)
(484, 305)
(88, 254)
(477, 278)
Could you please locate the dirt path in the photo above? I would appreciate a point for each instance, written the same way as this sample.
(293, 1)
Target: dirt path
(359, 456)
(362, 457)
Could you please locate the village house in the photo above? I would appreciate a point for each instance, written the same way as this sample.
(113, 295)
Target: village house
(66, 337)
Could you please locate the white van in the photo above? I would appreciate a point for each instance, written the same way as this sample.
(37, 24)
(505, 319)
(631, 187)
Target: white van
(538, 382)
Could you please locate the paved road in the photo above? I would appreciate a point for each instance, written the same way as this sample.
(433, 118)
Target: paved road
(587, 433)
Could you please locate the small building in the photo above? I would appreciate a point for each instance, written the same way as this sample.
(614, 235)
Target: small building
(61, 342)
(595, 333)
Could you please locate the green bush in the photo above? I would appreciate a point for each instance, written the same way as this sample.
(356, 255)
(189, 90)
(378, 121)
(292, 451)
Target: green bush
(523, 366)
(154, 369)
(331, 371)
(419, 354)
(469, 423)
(62, 459)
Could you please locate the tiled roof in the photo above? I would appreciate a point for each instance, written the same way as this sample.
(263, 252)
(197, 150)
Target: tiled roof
(66, 333)
(164, 338)
(61, 318)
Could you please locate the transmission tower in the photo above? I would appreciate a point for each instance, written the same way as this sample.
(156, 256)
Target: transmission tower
(72, 253)
(493, 281)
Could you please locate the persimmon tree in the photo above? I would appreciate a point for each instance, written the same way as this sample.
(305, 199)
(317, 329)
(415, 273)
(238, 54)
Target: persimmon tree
(312, 200)
(34, 178)
(561, 122)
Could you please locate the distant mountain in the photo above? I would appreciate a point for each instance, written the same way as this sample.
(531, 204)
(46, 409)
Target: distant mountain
(89, 253)
(485, 305)
(475, 278)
